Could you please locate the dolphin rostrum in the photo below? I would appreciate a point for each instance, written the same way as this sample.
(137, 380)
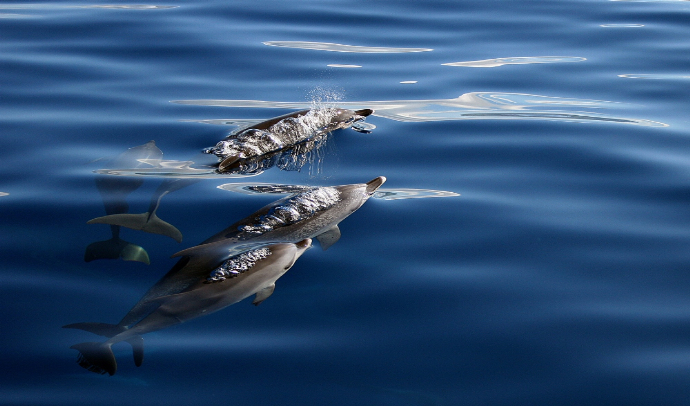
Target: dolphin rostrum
(314, 212)
(282, 132)
(217, 284)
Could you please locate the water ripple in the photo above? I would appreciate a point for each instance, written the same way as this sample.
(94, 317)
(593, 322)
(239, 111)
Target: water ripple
(492, 63)
(469, 106)
(654, 76)
(326, 46)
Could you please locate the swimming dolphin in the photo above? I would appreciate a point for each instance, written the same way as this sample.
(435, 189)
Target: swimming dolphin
(282, 132)
(314, 212)
(114, 191)
(217, 284)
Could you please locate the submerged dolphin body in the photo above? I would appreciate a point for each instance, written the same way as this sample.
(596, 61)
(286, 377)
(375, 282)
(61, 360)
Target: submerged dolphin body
(312, 213)
(114, 191)
(217, 284)
(282, 132)
(149, 221)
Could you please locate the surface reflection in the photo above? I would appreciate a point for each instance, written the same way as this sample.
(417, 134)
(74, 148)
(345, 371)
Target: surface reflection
(381, 193)
(326, 46)
(469, 106)
(654, 76)
(491, 63)
(114, 191)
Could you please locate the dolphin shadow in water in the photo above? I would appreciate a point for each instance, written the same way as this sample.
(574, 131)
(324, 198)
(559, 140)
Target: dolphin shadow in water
(114, 192)
(194, 287)
(149, 221)
(283, 132)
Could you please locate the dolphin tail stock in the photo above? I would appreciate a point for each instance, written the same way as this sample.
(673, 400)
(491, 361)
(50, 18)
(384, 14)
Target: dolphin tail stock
(115, 248)
(148, 222)
(95, 355)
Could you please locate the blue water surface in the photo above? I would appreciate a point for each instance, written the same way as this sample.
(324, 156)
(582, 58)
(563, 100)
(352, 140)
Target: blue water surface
(558, 276)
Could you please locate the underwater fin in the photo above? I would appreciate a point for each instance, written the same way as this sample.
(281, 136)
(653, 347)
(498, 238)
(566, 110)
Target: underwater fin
(96, 357)
(263, 294)
(228, 162)
(115, 248)
(137, 343)
(136, 253)
(364, 112)
(102, 329)
(328, 238)
(148, 222)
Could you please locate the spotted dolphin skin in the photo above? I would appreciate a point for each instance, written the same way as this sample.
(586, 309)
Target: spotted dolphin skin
(311, 213)
(215, 285)
(282, 132)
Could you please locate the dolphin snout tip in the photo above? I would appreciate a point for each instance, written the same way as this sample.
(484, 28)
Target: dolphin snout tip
(375, 183)
(306, 243)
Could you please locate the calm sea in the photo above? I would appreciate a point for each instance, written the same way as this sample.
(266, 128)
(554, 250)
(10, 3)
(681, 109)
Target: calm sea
(554, 271)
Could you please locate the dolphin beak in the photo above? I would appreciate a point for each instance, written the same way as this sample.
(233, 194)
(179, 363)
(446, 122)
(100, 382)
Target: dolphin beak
(374, 184)
(304, 244)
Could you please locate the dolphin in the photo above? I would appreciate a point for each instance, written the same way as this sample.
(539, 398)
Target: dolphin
(149, 221)
(114, 191)
(313, 212)
(282, 132)
(217, 284)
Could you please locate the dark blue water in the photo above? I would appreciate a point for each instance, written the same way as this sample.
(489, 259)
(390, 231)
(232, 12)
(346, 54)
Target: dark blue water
(559, 276)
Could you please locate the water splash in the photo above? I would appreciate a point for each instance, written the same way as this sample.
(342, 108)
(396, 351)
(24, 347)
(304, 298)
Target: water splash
(238, 264)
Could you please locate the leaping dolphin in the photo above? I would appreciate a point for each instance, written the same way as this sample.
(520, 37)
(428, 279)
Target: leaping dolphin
(314, 212)
(282, 132)
(216, 285)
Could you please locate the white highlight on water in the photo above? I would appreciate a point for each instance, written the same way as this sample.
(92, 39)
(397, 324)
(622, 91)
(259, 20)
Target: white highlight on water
(492, 63)
(327, 46)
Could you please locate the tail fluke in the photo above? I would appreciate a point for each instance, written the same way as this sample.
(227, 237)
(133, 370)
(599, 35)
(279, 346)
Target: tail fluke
(115, 248)
(102, 329)
(137, 344)
(105, 330)
(96, 357)
(148, 222)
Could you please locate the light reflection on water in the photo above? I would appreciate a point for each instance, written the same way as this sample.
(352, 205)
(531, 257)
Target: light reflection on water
(325, 46)
(382, 193)
(655, 76)
(469, 106)
(492, 63)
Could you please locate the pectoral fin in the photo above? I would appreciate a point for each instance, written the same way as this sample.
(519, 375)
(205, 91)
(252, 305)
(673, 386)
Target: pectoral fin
(263, 294)
(330, 237)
